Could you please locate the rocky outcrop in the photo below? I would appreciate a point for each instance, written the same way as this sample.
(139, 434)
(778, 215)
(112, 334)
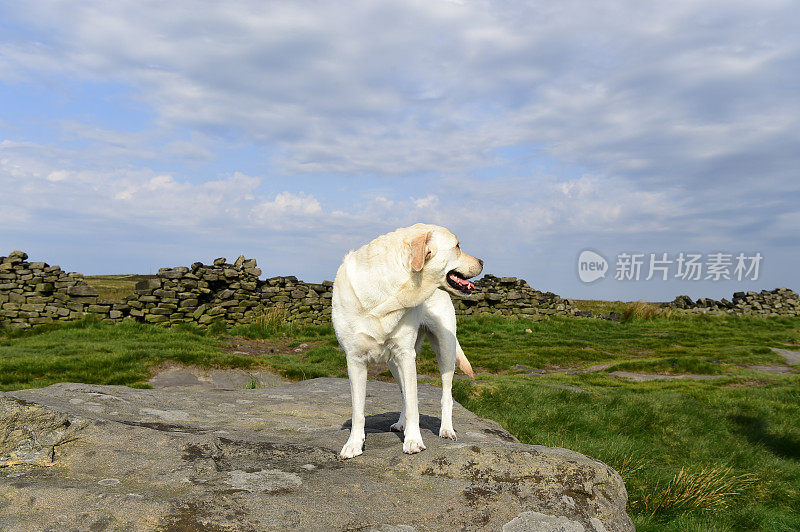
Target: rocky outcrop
(84, 457)
(779, 302)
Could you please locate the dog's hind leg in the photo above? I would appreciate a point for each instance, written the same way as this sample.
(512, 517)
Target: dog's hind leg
(357, 371)
(440, 325)
(444, 345)
(400, 426)
(407, 369)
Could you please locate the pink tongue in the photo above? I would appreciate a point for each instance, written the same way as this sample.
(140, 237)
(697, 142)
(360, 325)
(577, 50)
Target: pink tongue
(463, 282)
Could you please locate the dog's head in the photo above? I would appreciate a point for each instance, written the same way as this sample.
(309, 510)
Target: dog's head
(435, 253)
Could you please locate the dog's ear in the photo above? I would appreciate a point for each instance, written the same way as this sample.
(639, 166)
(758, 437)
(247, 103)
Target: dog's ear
(420, 251)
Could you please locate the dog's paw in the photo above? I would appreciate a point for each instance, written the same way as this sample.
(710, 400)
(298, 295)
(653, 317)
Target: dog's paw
(413, 445)
(351, 449)
(446, 433)
(400, 426)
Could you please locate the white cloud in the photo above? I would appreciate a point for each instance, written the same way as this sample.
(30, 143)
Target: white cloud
(287, 210)
(58, 175)
(139, 195)
(396, 88)
(428, 202)
(524, 227)
(526, 125)
(533, 207)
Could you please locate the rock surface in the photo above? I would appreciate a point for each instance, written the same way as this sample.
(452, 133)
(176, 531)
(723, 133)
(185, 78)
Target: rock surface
(86, 457)
(792, 357)
(641, 377)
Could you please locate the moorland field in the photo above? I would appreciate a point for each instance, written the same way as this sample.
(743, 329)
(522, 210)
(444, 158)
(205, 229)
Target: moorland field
(716, 449)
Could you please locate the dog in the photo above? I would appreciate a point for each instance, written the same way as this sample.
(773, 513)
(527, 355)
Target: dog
(387, 297)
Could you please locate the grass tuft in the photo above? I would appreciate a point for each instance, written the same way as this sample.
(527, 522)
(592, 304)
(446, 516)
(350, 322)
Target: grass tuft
(628, 465)
(274, 319)
(600, 307)
(642, 310)
(253, 384)
(708, 489)
(270, 323)
(276, 322)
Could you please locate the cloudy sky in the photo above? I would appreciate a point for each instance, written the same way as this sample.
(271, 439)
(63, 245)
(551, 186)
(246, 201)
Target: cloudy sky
(136, 134)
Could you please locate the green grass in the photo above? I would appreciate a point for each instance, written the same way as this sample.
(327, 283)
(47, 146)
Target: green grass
(720, 454)
(114, 287)
(96, 353)
(600, 307)
(651, 431)
(274, 322)
(321, 361)
(697, 343)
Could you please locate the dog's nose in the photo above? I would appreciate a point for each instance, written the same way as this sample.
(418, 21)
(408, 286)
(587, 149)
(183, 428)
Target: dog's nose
(480, 261)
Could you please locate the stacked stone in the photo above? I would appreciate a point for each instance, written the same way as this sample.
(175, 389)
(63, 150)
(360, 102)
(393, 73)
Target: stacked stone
(231, 293)
(779, 302)
(510, 296)
(34, 293)
(308, 303)
(200, 294)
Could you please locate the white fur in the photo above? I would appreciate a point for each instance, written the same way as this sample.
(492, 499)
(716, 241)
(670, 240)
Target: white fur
(383, 308)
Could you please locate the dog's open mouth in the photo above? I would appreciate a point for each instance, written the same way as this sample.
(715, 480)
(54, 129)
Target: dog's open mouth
(457, 281)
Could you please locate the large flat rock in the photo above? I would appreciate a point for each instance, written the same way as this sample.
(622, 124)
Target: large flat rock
(85, 457)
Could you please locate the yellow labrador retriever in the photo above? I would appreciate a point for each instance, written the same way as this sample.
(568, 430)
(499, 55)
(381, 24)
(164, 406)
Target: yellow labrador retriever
(387, 297)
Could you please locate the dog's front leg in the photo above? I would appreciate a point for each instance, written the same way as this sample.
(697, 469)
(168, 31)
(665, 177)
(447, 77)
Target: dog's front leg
(357, 371)
(407, 368)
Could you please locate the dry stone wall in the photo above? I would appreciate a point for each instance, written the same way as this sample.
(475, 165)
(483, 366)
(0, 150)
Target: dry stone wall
(33, 293)
(779, 302)
(232, 293)
(510, 296)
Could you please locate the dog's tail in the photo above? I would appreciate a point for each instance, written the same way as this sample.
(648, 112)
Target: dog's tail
(463, 363)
